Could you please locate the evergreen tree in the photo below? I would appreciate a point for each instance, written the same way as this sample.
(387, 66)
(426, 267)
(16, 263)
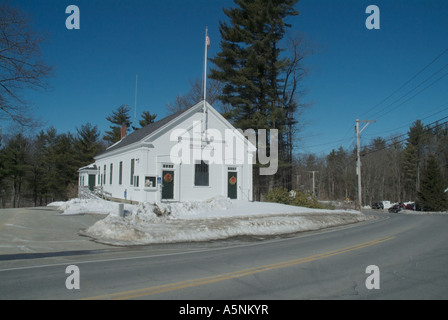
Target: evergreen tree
(2, 179)
(117, 119)
(61, 166)
(49, 137)
(37, 170)
(250, 67)
(413, 155)
(249, 63)
(87, 144)
(431, 196)
(66, 165)
(15, 165)
(147, 118)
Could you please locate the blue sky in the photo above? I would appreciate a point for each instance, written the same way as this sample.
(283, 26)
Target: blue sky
(356, 69)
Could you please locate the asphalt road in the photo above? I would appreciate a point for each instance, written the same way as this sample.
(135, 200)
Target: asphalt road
(409, 254)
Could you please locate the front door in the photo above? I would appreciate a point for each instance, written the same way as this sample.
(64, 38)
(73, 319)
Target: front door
(168, 185)
(232, 182)
(91, 182)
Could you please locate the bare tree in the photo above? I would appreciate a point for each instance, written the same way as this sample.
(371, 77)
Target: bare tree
(292, 92)
(20, 64)
(196, 94)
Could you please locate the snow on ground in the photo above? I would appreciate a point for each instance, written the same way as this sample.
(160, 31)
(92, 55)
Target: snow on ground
(218, 218)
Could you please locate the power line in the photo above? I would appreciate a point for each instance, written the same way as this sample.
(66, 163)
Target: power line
(365, 153)
(420, 118)
(404, 139)
(408, 81)
(389, 139)
(379, 115)
(388, 111)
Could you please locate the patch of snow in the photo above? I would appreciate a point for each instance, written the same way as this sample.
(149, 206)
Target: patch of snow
(92, 206)
(217, 218)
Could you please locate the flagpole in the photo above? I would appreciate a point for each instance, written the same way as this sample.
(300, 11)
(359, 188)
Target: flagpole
(204, 116)
(205, 64)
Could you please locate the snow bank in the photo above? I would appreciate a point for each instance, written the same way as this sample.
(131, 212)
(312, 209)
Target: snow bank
(218, 218)
(87, 206)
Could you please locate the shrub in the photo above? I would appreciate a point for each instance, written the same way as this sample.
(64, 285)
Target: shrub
(295, 198)
(278, 195)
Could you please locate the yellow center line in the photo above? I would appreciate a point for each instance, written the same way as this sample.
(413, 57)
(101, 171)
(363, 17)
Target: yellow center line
(232, 275)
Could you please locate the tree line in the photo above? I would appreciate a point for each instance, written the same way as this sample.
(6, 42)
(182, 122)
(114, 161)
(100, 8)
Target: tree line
(406, 168)
(256, 79)
(38, 169)
(41, 168)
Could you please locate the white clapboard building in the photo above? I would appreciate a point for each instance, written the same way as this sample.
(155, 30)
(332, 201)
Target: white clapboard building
(194, 154)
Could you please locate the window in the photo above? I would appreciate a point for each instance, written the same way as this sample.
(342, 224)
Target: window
(136, 181)
(120, 173)
(132, 171)
(201, 174)
(110, 174)
(150, 182)
(104, 175)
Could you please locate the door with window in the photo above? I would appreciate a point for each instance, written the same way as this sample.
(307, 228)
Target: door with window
(232, 183)
(167, 184)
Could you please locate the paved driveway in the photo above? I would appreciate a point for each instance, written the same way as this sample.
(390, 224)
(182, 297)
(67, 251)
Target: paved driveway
(44, 229)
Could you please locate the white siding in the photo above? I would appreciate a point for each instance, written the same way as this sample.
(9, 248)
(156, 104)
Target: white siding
(152, 153)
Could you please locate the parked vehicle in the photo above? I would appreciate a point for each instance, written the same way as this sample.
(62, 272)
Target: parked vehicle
(410, 206)
(386, 204)
(395, 208)
(378, 205)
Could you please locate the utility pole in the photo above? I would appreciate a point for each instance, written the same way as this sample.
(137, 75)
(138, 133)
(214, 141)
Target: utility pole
(358, 158)
(314, 187)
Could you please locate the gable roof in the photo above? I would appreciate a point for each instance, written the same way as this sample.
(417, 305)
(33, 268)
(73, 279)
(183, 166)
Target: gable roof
(142, 133)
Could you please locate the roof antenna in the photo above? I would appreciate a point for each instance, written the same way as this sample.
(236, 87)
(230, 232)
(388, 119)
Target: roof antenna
(135, 101)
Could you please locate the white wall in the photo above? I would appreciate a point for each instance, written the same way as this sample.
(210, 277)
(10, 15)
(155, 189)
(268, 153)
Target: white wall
(157, 151)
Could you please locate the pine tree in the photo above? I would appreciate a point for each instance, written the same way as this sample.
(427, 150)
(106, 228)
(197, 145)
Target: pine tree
(66, 165)
(15, 159)
(431, 196)
(37, 170)
(147, 118)
(117, 119)
(413, 155)
(251, 68)
(249, 63)
(60, 163)
(87, 144)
